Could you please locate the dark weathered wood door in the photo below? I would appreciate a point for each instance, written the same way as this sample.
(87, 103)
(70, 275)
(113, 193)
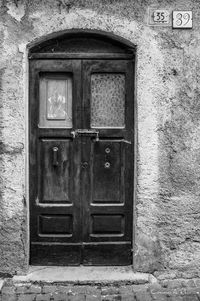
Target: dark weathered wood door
(81, 162)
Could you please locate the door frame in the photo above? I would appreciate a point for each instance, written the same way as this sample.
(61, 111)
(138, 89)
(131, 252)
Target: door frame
(131, 51)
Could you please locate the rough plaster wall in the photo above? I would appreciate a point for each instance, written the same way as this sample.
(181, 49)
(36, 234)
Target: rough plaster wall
(167, 211)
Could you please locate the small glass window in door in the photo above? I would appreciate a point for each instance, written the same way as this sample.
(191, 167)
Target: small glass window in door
(55, 101)
(108, 100)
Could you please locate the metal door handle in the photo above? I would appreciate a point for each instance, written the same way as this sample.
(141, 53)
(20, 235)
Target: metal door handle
(55, 156)
(126, 141)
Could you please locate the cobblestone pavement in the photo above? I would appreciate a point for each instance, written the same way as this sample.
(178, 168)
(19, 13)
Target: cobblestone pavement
(173, 290)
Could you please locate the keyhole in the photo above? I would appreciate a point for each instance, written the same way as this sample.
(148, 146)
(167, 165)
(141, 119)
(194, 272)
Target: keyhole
(107, 150)
(107, 165)
(84, 164)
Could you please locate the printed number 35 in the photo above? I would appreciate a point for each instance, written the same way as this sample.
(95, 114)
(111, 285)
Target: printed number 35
(160, 16)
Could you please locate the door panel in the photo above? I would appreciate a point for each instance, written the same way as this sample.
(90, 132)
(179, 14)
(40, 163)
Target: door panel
(107, 209)
(55, 160)
(107, 172)
(55, 179)
(105, 96)
(55, 254)
(107, 224)
(53, 224)
(107, 254)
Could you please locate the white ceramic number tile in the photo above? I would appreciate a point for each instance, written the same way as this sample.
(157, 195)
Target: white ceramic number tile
(182, 19)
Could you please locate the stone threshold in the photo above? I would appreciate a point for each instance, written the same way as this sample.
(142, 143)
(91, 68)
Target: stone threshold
(84, 275)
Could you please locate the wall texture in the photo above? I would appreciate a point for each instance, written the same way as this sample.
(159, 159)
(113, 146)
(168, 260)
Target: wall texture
(167, 209)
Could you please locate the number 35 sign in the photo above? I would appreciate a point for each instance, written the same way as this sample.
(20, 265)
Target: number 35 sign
(182, 19)
(161, 16)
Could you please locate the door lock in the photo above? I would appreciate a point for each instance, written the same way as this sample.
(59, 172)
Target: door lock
(84, 164)
(85, 132)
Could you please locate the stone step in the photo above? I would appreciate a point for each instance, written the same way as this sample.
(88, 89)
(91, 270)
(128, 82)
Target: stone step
(85, 275)
(95, 284)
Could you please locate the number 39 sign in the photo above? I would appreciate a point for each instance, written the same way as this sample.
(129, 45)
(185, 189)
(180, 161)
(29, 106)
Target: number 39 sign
(182, 19)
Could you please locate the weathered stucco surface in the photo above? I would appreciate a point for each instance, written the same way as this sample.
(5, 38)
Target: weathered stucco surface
(167, 208)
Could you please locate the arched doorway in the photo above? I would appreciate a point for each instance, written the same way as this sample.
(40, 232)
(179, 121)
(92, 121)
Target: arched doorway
(81, 149)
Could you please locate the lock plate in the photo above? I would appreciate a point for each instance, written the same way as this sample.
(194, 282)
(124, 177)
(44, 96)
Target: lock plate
(85, 132)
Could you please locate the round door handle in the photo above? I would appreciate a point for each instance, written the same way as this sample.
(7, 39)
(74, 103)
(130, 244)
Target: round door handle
(84, 164)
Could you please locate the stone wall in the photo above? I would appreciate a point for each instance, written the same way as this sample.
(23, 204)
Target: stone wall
(167, 208)
(181, 290)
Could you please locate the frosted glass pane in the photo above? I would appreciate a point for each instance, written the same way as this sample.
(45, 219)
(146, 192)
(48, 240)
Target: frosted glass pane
(56, 101)
(107, 100)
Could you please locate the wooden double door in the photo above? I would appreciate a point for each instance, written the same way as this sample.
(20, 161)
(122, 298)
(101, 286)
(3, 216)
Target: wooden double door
(81, 162)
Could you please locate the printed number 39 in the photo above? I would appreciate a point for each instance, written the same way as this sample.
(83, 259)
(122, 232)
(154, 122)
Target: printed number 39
(182, 19)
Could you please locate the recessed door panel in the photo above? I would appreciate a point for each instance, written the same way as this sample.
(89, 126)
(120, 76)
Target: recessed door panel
(107, 172)
(55, 171)
(53, 224)
(107, 224)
